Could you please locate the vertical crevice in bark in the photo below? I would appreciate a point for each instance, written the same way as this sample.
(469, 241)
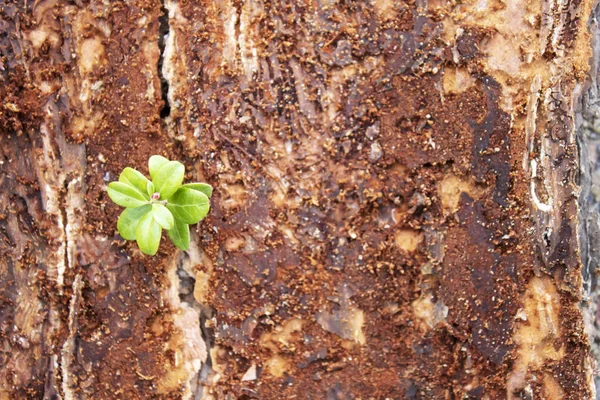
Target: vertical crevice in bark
(191, 313)
(163, 32)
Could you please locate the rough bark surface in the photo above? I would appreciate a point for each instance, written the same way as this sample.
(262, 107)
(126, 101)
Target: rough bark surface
(395, 211)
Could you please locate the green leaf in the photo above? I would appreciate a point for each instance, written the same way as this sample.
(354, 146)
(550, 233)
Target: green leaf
(180, 235)
(169, 178)
(129, 219)
(201, 187)
(135, 179)
(155, 163)
(188, 205)
(163, 216)
(150, 188)
(147, 234)
(125, 195)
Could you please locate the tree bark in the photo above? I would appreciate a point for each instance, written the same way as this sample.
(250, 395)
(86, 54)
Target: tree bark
(396, 209)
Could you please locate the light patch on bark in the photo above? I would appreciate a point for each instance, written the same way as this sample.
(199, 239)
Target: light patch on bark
(503, 55)
(408, 240)
(201, 287)
(188, 346)
(189, 350)
(235, 196)
(282, 335)
(250, 374)
(151, 53)
(39, 36)
(536, 333)
(385, 9)
(452, 186)
(277, 366)
(428, 313)
(347, 323)
(551, 389)
(456, 80)
(91, 54)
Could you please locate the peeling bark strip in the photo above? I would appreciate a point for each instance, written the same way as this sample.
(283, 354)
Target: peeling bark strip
(395, 211)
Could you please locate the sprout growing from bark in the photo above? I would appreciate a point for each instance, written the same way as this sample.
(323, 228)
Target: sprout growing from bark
(163, 202)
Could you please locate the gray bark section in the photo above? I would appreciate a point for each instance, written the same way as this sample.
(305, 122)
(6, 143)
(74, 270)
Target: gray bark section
(587, 120)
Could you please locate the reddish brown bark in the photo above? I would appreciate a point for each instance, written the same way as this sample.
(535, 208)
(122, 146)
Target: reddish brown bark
(395, 207)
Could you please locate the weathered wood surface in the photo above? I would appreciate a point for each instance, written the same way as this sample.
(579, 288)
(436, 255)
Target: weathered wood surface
(395, 211)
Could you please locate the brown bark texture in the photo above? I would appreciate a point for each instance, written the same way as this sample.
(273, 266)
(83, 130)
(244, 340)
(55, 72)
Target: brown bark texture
(396, 207)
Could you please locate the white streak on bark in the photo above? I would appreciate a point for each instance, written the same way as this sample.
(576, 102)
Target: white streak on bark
(546, 207)
(74, 203)
(68, 349)
(49, 185)
(229, 15)
(248, 52)
(170, 57)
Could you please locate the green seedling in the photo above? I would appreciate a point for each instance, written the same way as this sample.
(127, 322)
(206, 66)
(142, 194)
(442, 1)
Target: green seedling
(161, 203)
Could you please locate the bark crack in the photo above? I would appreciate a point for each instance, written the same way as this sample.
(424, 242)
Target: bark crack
(189, 313)
(163, 32)
(62, 209)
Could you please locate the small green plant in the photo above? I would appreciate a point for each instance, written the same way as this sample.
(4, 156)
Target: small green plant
(162, 203)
